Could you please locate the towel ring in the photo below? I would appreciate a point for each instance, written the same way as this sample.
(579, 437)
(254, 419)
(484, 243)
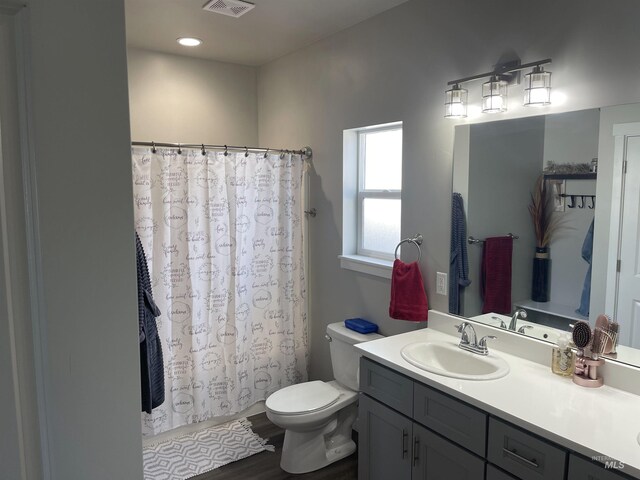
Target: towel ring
(417, 241)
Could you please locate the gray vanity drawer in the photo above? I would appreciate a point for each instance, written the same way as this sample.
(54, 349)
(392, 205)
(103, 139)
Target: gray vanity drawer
(389, 387)
(581, 469)
(494, 473)
(524, 455)
(451, 418)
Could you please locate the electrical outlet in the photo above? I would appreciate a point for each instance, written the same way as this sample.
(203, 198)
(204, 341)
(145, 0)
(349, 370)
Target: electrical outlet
(441, 283)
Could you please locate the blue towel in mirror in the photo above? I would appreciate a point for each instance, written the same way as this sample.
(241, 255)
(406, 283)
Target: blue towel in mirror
(587, 253)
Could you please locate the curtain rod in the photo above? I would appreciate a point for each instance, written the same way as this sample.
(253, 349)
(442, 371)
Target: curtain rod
(306, 151)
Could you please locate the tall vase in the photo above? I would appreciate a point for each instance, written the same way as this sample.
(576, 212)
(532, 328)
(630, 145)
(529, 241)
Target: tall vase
(540, 280)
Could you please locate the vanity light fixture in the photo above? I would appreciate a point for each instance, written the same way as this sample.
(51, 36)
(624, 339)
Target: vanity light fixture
(189, 41)
(537, 87)
(494, 92)
(455, 103)
(494, 95)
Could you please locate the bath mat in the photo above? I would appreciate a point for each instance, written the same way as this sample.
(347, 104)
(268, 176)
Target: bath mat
(194, 453)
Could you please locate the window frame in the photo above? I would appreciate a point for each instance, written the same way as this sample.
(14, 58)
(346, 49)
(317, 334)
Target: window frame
(363, 193)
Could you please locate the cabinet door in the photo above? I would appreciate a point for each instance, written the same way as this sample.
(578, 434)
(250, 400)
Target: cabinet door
(384, 442)
(581, 469)
(435, 458)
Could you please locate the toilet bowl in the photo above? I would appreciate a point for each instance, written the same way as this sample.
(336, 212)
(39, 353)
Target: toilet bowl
(318, 416)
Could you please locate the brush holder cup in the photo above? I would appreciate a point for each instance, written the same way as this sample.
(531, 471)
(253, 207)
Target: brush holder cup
(540, 279)
(589, 377)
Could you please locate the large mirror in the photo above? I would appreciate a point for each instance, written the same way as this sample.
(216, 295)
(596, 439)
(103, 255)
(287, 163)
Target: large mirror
(497, 167)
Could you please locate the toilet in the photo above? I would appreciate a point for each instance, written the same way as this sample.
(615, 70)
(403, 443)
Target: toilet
(318, 416)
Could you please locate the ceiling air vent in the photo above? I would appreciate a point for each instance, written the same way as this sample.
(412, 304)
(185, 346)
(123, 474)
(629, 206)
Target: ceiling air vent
(231, 8)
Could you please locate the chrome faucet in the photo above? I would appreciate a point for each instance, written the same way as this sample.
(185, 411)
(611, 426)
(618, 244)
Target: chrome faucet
(470, 343)
(519, 313)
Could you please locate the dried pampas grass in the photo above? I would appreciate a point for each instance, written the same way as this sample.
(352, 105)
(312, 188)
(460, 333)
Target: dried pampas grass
(545, 224)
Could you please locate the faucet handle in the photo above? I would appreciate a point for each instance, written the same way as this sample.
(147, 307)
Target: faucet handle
(523, 328)
(483, 341)
(502, 324)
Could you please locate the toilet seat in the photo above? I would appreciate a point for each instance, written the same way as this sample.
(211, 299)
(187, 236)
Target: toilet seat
(303, 398)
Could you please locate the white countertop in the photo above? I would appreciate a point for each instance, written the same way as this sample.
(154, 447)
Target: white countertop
(602, 421)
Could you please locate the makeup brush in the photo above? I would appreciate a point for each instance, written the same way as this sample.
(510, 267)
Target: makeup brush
(599, 342)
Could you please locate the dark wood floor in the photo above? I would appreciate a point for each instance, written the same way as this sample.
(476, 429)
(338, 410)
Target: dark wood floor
(267, 464)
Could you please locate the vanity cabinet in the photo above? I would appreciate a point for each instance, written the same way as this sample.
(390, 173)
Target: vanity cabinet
(582, 469)
(408, 430)
(392, 446)
(394, 441)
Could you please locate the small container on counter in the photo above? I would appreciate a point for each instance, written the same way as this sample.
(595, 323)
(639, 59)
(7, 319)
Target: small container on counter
(563, 357)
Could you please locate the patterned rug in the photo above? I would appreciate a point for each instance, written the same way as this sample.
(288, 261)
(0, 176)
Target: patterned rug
(192, 454)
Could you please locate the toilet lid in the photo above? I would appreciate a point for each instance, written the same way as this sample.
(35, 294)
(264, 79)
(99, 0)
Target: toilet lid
(303, 398)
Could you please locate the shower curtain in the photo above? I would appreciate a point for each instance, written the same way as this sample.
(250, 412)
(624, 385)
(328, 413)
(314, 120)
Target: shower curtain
(224, 237)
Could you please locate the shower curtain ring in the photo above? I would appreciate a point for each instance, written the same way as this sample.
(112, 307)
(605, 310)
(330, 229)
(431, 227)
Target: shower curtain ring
(153, 147)
(179, 149)
(246, 152)
(225, 151)
(265, 153)
(281, 154)
(204, 152)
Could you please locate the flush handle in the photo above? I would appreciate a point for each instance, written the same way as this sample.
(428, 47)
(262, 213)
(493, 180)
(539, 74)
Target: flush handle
(327, 337)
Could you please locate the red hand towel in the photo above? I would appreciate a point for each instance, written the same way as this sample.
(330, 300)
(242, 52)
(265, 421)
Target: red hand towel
(496, 275)
(408, 298)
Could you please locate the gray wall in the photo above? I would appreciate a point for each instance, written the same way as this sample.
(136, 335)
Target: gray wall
(18, 397)
(395, 67)
(571, 138)
(187, 100)
(84, 219)
(504, 164)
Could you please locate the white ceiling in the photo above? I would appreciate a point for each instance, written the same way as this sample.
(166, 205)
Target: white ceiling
(272, 29)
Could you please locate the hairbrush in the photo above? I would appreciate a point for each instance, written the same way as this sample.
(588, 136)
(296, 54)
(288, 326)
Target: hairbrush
(603, 321)
(613, 330)
(581, 335)
(599, 342)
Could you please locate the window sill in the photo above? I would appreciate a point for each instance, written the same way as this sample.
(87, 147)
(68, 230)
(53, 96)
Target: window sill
(369, 265)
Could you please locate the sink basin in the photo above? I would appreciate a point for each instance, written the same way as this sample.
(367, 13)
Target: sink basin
(451, 361)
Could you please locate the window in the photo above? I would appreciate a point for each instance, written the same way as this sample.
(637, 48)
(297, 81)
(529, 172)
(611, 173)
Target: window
(379, 191)
(372, 189)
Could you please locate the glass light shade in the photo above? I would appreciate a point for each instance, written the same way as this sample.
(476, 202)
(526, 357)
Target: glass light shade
(537, 88)
(494, 96)
(455, 102)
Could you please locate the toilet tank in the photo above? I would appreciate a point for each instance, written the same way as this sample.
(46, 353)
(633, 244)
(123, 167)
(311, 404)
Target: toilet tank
(345, 359)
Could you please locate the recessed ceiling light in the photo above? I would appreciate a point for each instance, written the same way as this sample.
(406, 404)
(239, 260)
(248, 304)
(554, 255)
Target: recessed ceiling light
(189, 41)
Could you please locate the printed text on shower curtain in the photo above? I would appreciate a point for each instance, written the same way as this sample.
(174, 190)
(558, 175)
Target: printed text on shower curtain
(224, 240)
